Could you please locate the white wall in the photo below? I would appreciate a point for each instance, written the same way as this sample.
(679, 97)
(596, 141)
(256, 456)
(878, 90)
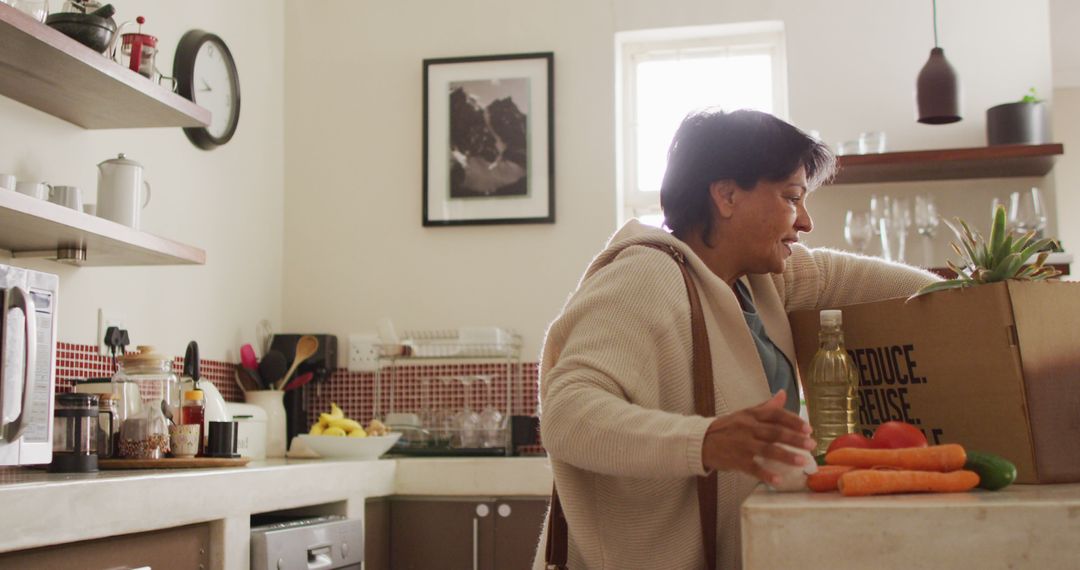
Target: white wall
(355, 249)
(1066, 127)
(227, 201)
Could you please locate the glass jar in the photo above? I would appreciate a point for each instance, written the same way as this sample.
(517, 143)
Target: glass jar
(153, 379)
(75, 420)
(145, 434)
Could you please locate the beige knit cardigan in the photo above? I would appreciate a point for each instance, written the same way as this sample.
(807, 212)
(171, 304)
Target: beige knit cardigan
(616, 391)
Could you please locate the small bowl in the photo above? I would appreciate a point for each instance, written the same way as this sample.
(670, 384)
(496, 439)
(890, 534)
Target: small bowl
(370, 447)
(89, 30)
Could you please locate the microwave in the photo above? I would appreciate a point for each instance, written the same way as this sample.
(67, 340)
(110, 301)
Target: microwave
(28, 311)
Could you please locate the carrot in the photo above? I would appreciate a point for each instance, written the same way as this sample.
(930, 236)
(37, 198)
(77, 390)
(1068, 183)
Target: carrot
(826, 478)
(944, 458)
(861, 482)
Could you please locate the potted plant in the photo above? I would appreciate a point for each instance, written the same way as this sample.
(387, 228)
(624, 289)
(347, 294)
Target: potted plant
(1021, 122)
(1003, 256)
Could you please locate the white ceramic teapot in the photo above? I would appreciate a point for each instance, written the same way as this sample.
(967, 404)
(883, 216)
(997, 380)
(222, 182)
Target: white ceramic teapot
(121, 195)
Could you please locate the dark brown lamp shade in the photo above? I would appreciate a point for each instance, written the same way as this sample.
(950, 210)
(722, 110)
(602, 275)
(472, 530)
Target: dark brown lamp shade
(937, 91)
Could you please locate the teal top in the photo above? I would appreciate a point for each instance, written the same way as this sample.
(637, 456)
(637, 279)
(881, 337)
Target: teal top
(778, 368)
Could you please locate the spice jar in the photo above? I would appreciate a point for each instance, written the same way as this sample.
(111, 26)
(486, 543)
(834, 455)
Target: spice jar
(145, 434)
(193, 412)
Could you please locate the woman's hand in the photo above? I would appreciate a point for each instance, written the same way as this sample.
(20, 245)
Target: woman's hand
(732, 441)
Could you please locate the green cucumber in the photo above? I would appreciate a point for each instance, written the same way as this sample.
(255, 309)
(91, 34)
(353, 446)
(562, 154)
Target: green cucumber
(995, 472)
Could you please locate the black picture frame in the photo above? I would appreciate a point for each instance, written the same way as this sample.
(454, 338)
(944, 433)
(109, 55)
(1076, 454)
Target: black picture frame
(489, 140)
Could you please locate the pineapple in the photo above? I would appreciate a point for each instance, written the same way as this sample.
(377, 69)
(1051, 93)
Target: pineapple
(1000, 258)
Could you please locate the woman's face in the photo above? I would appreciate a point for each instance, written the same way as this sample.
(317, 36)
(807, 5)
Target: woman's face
(768, 219)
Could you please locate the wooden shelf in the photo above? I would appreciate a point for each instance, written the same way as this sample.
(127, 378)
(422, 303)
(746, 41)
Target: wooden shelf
(53, 73)
(31, 227)
(949, 164)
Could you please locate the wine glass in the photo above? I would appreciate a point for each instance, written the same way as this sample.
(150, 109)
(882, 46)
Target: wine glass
(926, 224)
(491, 418)
(894, 224)
(467, 420)
(858, 230)
(1027, 212)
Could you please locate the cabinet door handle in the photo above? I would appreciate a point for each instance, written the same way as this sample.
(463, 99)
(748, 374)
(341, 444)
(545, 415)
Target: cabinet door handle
(504, 510)
(475, 542)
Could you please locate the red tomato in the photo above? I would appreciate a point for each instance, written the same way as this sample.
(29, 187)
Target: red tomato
(849, 440)
(895, 435)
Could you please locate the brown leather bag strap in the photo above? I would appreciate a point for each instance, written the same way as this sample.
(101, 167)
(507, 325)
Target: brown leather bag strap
(558, 534)
(704, 405)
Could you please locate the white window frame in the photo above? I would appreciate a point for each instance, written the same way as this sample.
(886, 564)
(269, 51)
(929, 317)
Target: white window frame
(678, 43)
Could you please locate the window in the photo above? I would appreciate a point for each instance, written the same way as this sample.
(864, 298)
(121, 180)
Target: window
(664, 74)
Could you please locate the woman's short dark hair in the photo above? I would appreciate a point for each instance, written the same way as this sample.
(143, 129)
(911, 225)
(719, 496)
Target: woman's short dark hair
(742, 146)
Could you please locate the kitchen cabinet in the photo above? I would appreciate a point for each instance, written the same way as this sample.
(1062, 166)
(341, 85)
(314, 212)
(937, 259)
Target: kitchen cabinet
(31, 227)
(182, 547)
(377, 534)
(483, 533)
(46, 70)
(999, 161)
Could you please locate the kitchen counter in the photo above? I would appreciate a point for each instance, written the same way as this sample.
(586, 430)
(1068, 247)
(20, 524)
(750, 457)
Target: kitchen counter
(41, 508)
(1022, 526)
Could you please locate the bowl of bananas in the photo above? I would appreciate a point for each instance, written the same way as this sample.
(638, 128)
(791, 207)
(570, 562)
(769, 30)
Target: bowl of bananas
(337, 436)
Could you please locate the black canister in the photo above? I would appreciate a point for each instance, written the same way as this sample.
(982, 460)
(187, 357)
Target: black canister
(221, 440)
(75, 434)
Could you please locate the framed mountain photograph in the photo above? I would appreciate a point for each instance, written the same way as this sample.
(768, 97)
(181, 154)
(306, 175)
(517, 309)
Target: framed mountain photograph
(489, 140)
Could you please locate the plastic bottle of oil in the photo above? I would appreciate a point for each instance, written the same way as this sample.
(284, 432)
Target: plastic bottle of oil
(830, 385)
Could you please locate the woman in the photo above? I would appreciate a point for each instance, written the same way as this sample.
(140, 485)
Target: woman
(618, 416)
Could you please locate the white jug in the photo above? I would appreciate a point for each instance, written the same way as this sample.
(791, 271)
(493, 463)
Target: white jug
(120, 191)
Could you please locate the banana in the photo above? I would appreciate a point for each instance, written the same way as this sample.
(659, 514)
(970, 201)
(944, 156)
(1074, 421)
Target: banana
(346, 424)
(336, 424)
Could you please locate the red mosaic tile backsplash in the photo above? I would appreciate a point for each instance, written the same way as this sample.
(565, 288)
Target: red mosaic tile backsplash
(75, 362)
(428, 388)
(423, 389)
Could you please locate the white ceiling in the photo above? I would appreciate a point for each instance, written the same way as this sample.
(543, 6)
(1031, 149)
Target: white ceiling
(1064, 45)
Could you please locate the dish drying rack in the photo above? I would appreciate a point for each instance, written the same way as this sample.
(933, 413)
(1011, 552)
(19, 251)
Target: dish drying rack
(491, 355)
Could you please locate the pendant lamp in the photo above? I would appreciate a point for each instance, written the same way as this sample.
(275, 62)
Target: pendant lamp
(937, 90)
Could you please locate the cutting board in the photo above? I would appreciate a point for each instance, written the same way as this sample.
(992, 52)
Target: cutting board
(173, 463)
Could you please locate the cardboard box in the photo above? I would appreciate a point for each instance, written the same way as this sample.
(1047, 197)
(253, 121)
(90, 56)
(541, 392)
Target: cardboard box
(995, 368)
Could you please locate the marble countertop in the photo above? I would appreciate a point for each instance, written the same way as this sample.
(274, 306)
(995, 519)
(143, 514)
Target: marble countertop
(41, 508)
(1022, 526)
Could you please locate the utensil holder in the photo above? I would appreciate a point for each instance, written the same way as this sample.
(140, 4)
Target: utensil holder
(272, 401)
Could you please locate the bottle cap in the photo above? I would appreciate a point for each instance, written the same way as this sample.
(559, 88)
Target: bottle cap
(193, 395)
(831, 318)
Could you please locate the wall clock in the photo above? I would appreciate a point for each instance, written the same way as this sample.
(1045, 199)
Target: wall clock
(206, 74)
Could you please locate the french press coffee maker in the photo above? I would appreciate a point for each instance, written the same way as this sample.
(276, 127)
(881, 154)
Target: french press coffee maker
(138, 52)
(75, 434)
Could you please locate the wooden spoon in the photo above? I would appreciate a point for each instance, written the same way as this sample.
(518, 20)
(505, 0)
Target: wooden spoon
(305, 347)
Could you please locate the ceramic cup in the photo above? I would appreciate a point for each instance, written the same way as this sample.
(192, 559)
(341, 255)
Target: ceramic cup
(67, 196)
(7, 181)
(38, 190)
(184, 440)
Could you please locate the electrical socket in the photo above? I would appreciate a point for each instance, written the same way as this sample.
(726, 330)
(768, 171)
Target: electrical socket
(106, 320)
(363, 352)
